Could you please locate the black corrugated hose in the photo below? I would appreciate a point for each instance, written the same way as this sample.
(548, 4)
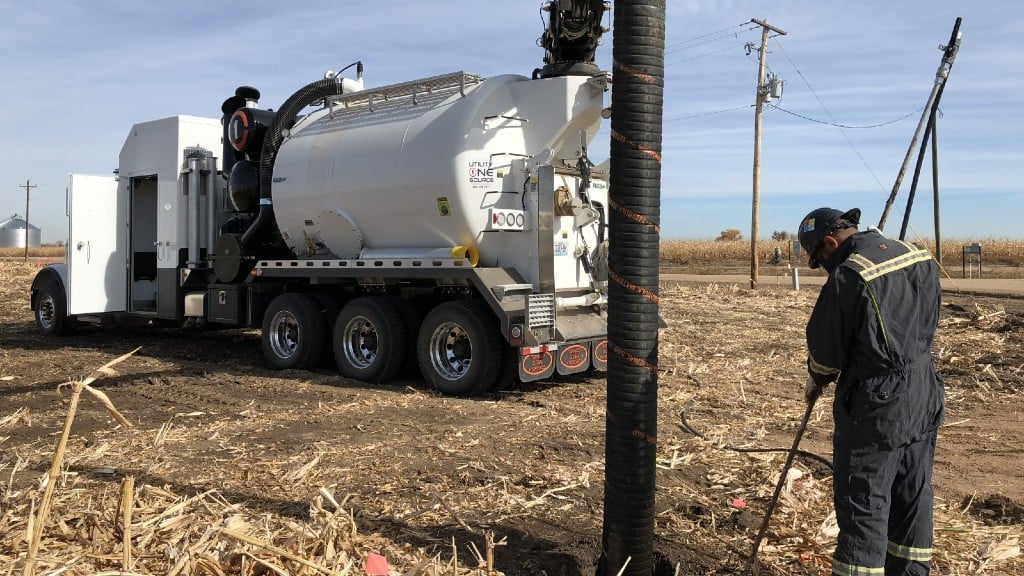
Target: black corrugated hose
(284, 120)
(638, 53)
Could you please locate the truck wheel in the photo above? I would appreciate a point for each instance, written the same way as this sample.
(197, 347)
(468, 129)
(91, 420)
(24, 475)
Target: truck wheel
(459, 348)
(369, 340)
(51, 311)
(293, 332)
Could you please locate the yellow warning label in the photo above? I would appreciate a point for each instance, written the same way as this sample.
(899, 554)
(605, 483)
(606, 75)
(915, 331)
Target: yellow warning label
(442, 206)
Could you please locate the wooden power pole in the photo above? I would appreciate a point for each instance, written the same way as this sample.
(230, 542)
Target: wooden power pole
(760, 97)
(27, 186)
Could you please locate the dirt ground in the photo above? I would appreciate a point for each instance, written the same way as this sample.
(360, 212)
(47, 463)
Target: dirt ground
(422, 470)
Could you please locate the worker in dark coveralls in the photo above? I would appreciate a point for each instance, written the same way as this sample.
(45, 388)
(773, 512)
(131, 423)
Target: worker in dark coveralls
(871, 332)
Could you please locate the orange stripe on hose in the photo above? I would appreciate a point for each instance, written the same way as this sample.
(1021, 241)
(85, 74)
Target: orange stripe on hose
(641, 435)
(633, 287)
(639, 362)
(640, 147)
(638, 218)
(633, 72)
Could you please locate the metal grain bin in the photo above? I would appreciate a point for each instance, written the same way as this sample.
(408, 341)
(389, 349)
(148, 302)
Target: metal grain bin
(12, 233)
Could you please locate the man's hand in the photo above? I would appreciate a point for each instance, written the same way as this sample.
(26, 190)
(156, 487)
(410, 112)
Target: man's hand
(812, 390)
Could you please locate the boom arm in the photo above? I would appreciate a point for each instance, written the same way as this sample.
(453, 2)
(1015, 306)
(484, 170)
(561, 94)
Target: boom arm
(571, 36)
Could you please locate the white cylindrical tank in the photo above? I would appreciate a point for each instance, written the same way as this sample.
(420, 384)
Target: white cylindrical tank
(403, 167)
(12, 233)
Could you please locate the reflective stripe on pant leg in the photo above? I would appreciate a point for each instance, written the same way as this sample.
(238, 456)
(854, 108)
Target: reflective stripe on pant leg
(844, 569)
(862, 484)
(910, 517)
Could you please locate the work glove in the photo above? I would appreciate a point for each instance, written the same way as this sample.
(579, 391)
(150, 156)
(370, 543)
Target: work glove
(812, 390)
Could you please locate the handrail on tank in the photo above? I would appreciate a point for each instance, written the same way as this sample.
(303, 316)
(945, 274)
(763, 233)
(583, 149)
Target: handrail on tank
(451, 81)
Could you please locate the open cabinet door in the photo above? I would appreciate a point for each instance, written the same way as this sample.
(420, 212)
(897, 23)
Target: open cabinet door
(97, 246)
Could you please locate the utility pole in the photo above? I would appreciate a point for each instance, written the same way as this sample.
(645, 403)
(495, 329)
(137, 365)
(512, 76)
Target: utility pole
(760, 97)
(924, 125)
(27, 186)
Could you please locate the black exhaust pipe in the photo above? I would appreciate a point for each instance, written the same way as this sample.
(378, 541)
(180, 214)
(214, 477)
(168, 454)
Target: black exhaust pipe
(631, 435)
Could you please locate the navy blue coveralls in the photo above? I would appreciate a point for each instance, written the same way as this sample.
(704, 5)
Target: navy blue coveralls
(872, 328)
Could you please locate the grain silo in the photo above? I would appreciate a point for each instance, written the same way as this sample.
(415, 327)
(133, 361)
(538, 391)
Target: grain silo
(12, 233)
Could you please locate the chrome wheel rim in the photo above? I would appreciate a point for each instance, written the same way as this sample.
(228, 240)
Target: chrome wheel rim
(284, 334)
(47, 312)
(360, 342)
(451, 353)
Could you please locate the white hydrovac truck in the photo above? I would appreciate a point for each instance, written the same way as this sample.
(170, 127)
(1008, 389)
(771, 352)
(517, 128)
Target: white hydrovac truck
(452, 223)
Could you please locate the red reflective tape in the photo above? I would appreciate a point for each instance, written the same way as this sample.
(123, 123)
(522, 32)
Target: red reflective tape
(538, 349)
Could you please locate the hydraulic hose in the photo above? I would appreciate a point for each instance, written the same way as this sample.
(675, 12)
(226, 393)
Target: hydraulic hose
(634, 234)
(264, 225)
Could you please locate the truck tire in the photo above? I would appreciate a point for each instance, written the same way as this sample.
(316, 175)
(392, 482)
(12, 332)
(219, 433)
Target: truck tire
(293, 332)
(51, 310)
(459, 348)
(370, 340)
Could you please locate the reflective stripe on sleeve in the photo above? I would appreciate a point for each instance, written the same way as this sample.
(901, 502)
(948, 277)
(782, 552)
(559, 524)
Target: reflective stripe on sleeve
(819, 368)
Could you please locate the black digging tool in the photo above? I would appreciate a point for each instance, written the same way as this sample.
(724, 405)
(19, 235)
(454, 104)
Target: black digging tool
(752, 561)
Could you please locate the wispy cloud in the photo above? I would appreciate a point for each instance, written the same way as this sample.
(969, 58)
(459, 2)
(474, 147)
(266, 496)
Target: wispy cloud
(78, 75)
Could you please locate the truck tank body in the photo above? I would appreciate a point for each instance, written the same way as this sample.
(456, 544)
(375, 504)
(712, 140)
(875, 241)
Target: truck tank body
(387, 172)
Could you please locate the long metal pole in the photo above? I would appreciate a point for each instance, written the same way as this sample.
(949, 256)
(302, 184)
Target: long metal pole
(26, 219)
(755, 208)
(751, 567)
(917, 175)
(948, 56)
(922, 123)
(935, 192)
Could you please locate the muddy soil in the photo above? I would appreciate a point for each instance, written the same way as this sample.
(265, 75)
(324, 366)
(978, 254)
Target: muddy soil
(423, 469)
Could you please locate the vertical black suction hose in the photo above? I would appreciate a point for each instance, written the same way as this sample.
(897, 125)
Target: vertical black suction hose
(634, 234)
(262, 228)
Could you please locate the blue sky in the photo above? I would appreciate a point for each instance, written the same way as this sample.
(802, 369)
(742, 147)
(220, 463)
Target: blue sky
(77, 75)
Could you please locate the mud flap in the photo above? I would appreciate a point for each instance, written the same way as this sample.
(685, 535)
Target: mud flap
(599, 357)
(537, 366)
(573, 358)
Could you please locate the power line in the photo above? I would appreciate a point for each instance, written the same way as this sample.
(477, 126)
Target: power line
(704, 55)
(692, 46)
(840, 127)
(702, 36)
(698, 115)
(715, 38)
(825, 108)
(791, 113)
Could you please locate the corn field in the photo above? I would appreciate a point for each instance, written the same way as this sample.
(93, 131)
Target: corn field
(677, 253)
(995, 251)
(40, 252)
